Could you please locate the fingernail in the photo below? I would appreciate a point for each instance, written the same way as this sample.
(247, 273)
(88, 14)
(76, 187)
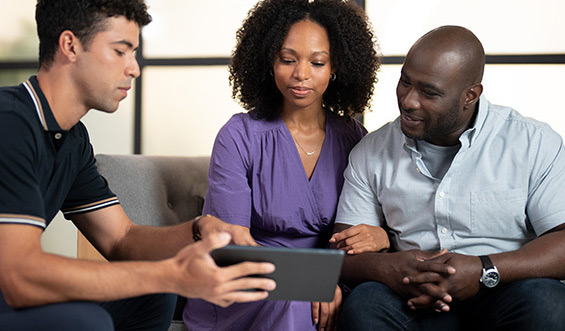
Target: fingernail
(269, 267)
(224, 236)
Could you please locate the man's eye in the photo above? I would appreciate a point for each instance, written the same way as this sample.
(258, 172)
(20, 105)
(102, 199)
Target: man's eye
(120, 53)
(429, 94)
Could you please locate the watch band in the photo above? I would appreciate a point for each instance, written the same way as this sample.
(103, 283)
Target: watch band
(196, 236)
(487, 262)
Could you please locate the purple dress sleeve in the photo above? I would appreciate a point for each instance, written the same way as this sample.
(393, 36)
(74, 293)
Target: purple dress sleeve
(229, 193)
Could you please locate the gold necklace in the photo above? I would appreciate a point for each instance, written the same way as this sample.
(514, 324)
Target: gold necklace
(302, 148)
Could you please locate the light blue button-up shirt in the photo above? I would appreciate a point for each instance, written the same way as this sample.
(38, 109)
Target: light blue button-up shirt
(502, 189)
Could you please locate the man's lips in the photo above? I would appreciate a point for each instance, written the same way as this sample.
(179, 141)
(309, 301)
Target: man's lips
(410, 120)
(125, 89)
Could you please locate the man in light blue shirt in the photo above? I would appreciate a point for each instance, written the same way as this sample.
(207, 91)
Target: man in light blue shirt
(469, 193)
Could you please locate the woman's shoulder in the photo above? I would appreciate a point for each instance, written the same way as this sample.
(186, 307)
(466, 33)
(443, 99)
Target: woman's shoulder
(346, 126)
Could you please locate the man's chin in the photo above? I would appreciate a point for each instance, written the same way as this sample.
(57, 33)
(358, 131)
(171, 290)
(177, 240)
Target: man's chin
(411, 135)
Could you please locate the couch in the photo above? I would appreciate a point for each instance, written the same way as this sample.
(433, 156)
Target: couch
(156, 190)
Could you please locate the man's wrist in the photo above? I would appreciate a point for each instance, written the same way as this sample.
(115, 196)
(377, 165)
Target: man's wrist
(196, 235)
(490, 276)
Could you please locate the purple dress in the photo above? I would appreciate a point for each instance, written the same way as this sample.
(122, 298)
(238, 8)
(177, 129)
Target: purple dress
(256, 179)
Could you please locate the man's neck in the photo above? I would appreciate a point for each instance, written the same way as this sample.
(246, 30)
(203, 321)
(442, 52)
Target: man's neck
(61, 96)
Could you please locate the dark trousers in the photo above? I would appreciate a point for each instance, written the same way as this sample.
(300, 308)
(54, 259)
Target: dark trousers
(149, 312)
(533, 304)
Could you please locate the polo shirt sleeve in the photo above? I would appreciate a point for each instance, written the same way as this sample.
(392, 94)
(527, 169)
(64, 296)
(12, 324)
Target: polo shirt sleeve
(21, 200)
(358, 203)
(90, 191)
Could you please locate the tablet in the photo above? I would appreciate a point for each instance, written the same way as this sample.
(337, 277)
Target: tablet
(302, 274)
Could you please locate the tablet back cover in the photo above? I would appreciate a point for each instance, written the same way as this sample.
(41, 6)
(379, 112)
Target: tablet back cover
(302, 274)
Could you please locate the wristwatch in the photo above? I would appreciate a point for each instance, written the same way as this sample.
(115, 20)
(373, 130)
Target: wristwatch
(490, 277)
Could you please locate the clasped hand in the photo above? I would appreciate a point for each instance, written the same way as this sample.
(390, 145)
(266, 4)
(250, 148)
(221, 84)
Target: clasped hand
(437, 279)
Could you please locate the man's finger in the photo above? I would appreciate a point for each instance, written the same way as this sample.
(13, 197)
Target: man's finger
(249, 284)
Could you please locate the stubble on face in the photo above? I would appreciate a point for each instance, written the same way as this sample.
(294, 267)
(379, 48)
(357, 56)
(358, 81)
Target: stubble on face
(435, 129)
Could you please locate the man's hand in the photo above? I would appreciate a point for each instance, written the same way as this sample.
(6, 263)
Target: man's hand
(200, 277)
(460, 285)
(240, 234)
(325, 314)
(360, 239)
(409, 263)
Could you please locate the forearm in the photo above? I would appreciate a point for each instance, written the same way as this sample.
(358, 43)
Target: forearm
(365, 267)
(543, 257)
(45, 278)
(152, 243)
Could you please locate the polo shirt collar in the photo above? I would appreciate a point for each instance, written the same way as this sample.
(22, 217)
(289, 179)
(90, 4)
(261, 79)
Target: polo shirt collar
(42, 108)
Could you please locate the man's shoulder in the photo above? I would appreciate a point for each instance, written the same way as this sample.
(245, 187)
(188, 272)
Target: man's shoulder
(15, 103)
(512, 122)
(10, 97)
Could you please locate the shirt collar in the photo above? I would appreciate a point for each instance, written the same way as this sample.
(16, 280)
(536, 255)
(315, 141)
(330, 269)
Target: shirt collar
(471, 134)
(44, 112)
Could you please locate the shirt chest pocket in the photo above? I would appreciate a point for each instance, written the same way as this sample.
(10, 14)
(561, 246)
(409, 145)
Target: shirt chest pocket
(499, 214)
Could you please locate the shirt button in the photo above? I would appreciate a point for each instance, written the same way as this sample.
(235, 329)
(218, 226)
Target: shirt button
(444, 230)
(58, 135)
(442, 194)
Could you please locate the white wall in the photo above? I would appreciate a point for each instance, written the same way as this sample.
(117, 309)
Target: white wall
(185, 107)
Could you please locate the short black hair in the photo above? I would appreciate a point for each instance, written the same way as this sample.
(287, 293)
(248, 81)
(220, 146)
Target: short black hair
(84, 18)
(353, 51)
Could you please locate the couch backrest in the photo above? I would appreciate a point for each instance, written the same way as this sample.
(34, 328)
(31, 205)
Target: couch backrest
(157, 190)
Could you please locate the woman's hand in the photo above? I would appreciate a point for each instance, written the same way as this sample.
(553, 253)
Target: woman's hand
(360, 239)
(240, 234)
(325, 314)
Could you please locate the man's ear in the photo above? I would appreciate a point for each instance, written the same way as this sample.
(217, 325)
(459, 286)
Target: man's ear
(69, 45)
(472, 95)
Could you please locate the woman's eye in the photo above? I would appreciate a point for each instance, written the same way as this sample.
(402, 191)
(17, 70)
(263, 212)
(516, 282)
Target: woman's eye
(120, 53)
(318, 64)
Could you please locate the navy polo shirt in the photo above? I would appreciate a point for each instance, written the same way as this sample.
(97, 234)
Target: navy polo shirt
(43, 168)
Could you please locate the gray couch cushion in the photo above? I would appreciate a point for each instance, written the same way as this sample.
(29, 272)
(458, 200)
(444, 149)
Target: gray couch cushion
(158, 191)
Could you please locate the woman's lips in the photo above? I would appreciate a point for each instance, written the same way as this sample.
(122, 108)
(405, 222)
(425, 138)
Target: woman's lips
(299, 91)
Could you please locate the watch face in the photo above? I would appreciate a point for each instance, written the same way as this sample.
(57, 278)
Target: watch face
(491, 278)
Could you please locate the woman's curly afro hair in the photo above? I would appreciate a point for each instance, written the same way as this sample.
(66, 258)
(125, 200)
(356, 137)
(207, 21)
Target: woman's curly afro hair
(352, 50)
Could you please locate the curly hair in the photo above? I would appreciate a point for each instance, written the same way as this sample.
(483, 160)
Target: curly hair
(85, 18)
(352, 50)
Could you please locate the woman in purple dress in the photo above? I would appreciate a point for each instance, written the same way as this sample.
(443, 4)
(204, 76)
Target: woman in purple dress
(302, 69)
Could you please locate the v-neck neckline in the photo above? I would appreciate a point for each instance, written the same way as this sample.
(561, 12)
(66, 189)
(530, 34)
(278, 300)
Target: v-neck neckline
(297, 158)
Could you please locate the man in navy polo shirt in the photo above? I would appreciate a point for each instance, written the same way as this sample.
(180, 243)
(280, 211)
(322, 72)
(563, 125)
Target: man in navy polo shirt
(87, 61)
